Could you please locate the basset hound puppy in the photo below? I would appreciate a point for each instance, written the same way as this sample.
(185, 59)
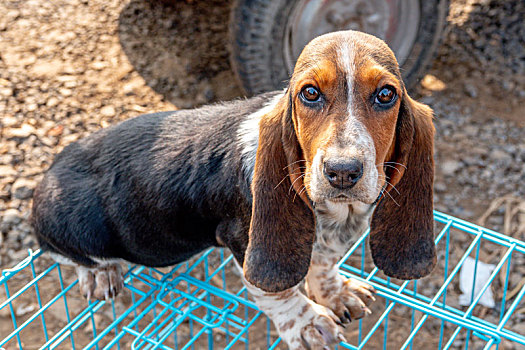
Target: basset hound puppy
(286, 180)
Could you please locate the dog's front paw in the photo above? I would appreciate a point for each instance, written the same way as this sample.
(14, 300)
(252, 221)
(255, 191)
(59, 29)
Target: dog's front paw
(346, 297)
(313, 327)
(102, 283)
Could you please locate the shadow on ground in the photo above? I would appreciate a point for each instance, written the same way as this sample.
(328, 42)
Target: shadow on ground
(180, 48)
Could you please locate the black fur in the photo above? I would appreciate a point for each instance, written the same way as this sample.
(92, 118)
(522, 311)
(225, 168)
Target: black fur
(153, 190)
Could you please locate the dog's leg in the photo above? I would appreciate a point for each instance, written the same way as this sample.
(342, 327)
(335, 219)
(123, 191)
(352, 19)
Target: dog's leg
(346, 297)
(301, 323)
(102, 283)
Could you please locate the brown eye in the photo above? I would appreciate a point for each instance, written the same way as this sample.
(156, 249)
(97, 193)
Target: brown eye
(385, 95)
(310, 94)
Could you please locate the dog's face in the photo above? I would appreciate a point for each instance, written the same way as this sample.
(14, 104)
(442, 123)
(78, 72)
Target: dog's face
(346, 93)
(345, 130)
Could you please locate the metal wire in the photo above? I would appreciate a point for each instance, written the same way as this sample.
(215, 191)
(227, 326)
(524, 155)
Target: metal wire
(202, 303)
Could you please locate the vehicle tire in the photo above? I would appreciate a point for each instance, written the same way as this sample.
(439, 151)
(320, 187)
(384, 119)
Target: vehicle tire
(268, 35)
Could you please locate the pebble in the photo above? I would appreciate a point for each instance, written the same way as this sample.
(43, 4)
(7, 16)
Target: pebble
(9, 121)
(440, 187)
(31, 107)
(7, 171)
(471, 90)
(500, 156)
(46, 69)
(449, 167)
(23, 188)
(6, 92)
(108, 111)
(65, 92)
(24, 131)
(519, 328)
(11, 217)
(52, 102)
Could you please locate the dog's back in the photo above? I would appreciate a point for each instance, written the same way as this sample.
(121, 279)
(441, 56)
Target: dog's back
(151, 190)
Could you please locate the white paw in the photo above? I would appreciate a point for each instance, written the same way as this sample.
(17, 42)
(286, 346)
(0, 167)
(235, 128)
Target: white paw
(101, 283)
(312, 327)
(346, 297)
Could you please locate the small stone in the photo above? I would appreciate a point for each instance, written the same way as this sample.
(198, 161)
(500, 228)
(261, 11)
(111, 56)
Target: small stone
(47, 69)
(440, 187)
(11, 217)
(6, 92)
(66, 140)
(24, 228)
(24, 131)
(70, 84)
(6, 171)
(471, 90)
(99, 65)
(507, 85)
(52, 102)
(501, 157)
(65, 92)
(23, 188)
(449, 167)
(32, 107)
(25, 309)
(471, 130)
(432, 83)
(9, 121)
(18, 255)
(28, 241)
(519, 328)
(12, 14)
(108, 111)
(56, 130)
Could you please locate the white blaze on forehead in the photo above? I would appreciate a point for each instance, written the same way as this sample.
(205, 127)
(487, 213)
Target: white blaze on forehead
(354, 131)
(346, 60)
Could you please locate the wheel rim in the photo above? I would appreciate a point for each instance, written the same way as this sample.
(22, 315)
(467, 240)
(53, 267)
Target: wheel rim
(395, 21)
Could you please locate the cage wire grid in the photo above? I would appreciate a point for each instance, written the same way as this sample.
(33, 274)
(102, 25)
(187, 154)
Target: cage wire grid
(203, 304)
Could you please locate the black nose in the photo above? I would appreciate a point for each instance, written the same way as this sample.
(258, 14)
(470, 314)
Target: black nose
(343, 174)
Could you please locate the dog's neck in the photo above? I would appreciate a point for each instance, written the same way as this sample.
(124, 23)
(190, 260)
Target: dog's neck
(339, 225)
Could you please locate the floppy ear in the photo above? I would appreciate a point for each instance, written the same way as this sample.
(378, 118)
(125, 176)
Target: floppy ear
(401, 231)
(282, 228)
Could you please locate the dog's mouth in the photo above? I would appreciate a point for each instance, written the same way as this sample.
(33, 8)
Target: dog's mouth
(341, 198)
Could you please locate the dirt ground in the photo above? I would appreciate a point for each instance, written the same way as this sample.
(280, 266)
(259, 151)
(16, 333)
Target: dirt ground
(70, 67)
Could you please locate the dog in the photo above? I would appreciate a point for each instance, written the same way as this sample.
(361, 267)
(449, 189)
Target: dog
(287, 180)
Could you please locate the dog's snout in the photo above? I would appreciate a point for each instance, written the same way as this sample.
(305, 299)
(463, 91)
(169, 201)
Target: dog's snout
(343, 174)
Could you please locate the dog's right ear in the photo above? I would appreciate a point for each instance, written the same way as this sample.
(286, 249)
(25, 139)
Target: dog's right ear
(282, 228)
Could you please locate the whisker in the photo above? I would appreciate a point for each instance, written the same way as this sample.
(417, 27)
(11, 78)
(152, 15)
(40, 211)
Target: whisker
(284, 178)
(297, 161)
(280, 182)
(385, 178)
(396, 163)
(291, 186)
(301, 191)
(383, 192)
(390, 166)
(393, 187)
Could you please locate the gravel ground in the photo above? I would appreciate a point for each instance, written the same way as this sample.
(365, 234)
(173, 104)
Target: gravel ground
(70, 67)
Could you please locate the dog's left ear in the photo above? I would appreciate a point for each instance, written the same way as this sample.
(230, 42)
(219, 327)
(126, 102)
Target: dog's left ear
(401, 231)
(282, 228)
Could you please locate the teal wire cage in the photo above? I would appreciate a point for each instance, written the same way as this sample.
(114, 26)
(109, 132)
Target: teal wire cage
(202, 303)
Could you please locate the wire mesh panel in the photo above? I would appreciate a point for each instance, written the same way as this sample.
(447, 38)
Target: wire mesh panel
(203, 304)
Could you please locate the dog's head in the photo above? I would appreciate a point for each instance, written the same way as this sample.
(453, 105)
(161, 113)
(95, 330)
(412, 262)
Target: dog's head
(346, 131)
